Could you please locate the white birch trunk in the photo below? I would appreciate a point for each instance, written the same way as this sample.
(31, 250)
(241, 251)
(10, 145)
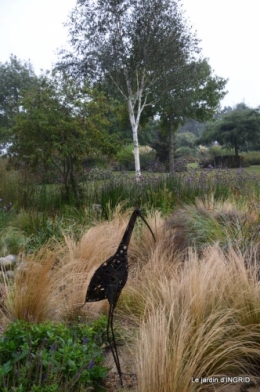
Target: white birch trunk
(133, 100)
(136, 153)
(134, 124)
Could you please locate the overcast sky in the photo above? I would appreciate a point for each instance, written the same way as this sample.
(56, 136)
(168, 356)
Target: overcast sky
(229, 31)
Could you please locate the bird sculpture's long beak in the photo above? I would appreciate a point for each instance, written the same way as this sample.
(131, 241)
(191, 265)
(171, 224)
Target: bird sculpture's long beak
(141, 216)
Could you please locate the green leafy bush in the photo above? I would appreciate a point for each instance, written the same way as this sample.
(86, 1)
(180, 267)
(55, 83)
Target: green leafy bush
(92, 161)
(97, 173)
(218, 151)
(147, 156)
(224, 161)
(53, 357)
(125, 157)
(185, 152)
(251, 157)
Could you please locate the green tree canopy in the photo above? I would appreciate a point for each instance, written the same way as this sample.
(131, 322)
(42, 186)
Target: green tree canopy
(191, 92)
(16, 77)
(59, 123)
(235, 129)
(185, 139)
(133, 43)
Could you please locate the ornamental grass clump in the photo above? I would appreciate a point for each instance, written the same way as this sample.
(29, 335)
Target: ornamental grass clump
(229, 223)
(52, 282)
(200, 320)
(192, 299)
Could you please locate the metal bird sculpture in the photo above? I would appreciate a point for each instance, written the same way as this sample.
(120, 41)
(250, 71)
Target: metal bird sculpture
(110, 278)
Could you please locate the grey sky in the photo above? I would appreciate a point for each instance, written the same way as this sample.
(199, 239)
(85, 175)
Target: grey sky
(230, 34)
(229, 31)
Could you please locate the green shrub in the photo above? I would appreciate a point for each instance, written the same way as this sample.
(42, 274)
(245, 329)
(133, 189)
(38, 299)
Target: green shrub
(251, 157)
(218, 151)
(11, 240)
(93, 161)
(96, 174)
(51, 357)
(185, 152)
(125, 157)
(224, 161)
(10, 184)
(147, 156)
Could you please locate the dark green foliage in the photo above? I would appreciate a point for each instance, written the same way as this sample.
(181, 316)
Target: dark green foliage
(98, 174)
(35, 357)
(136, 46)
(146, 158)
(189, 92)
(60, 123)
(185, 139)
(217, 150)
(125, 157)
(236, 129)
(160, 144)
(191, 126)
(251, 157)
(186, 152)
(224, 161)
(93, 161)
(184, 145)
(16, 77)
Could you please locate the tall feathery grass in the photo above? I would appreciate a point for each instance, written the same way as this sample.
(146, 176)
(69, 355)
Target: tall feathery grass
(198, 318)
(230, 223)
(52, 282)
(190, 314)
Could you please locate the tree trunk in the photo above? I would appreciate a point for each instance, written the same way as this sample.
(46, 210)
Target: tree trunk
(134, 124)
(73, 181)
(171, 151)
(236, 150)
(71, 186)
(136, 153)
(66, 178)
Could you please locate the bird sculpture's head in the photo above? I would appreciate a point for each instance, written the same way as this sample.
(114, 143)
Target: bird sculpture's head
(139, 213)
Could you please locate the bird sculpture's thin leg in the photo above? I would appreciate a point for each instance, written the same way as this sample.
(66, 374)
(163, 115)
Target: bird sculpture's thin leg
(109, 280)
(112, 343)
(115, 346)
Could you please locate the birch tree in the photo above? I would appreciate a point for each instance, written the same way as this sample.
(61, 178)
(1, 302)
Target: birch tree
(132, 42)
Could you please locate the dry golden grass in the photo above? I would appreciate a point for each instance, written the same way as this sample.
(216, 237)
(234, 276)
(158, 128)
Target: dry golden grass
(201, 321)
(191, 315)
(52, 283)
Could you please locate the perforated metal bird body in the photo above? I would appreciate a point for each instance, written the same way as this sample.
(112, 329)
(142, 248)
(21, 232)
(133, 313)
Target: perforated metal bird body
(110, 278)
